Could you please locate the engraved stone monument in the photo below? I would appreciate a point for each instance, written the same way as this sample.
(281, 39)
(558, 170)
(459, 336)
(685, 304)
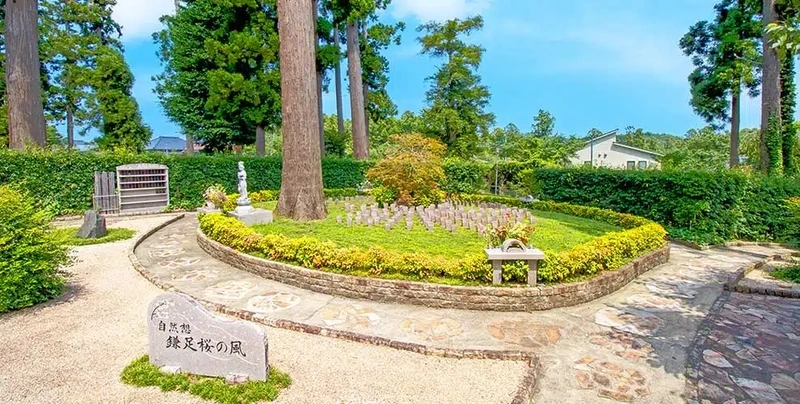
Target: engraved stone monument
(184, 337)
(244, 211)
(94, 225)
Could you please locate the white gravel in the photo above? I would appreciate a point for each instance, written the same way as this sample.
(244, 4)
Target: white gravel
(72, 350)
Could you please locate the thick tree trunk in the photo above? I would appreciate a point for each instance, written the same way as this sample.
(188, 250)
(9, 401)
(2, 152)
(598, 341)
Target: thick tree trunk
(70, 128)
(735, 122)
(301, 194)
(366, 86)
(261, 142)
(320, 73)
(26, 125)
(321, 122)
(360, 147)
(189, 144)
(337, 70)
(770, 94)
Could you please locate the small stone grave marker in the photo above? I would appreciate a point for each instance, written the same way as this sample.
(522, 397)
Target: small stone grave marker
(184, 337)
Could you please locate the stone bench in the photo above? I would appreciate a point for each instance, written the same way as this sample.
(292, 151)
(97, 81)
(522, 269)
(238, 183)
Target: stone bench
(514, 250)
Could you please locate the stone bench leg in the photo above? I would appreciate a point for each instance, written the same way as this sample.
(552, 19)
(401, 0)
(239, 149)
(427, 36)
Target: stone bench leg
(532, 272)
(497, 269)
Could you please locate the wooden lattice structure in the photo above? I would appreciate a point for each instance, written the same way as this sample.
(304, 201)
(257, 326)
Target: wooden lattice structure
(105, 199)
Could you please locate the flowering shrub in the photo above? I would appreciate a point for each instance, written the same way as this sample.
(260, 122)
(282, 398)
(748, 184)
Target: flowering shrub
(216, 195)
(495, 236)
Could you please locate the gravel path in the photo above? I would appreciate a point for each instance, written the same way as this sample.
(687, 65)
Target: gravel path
(72, 350)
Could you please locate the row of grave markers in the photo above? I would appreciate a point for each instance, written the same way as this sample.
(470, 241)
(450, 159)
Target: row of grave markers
(448, 215)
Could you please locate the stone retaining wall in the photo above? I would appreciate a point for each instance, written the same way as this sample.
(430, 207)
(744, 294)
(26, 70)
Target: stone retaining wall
(437, 295)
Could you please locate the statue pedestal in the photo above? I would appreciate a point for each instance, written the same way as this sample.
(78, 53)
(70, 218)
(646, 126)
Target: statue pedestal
(251, 216)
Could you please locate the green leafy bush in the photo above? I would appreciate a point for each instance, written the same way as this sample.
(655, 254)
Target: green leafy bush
(30, 253)
(604, 253)
(412, 169)
(65, 180)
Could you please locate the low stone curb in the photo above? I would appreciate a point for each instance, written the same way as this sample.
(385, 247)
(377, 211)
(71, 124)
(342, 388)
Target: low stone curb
(705, 247)
(483, 298)
(732, 284)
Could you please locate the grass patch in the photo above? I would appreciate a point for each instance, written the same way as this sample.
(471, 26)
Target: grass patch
(142, 373)
(69, 236)
(791, 274)
(555, 232)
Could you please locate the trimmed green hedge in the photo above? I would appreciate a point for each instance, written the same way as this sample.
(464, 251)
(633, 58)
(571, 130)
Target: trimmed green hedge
(605, 253)
(65, 180)
(703, 207)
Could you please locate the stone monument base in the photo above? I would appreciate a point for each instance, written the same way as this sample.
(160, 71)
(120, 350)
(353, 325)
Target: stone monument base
(209, 210)
(251, 216)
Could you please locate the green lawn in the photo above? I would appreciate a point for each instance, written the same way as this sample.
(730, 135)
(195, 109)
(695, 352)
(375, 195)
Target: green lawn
(791, 274)
(69, 236)
(555, 232)
(142, 374)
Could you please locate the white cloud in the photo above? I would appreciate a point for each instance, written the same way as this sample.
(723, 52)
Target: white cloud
(438, 10)
(139, 18)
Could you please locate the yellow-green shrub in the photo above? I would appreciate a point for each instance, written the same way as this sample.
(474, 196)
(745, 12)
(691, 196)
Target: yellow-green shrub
(605, 253)
(30, 253)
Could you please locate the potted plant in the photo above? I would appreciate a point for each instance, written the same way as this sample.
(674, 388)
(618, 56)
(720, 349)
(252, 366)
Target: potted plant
(215, 197)
(496, 236)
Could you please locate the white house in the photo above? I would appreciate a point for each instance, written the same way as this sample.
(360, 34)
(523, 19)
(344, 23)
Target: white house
(604, 151)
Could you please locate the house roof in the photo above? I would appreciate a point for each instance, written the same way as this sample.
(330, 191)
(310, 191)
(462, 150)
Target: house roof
(638, 149)
(165, 143)
(603, 136)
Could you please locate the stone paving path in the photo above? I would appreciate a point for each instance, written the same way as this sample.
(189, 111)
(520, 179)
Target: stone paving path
(749, 352)
(630, 346)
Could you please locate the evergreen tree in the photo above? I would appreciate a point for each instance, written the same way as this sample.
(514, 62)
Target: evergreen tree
(456, 100)
(301, 195)
(26, 124)
(375, 68)
(221, 79)
(120, 120)
(771, 136)
(725, 55)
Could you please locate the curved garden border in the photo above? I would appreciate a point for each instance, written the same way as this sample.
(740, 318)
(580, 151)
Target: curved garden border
(437, 295)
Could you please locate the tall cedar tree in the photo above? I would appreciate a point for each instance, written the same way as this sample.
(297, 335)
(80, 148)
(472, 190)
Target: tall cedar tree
(726, 57)
(788, 103)
(328, 57)
(121, 122)
(301, 195)
(351, 13)
(770, 143)
(26, 124)
(117, 114)
(457, 100)
(221, 81)
(787, 14)
(375, 69)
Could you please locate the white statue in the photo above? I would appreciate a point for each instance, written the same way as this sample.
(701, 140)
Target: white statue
(242, 175)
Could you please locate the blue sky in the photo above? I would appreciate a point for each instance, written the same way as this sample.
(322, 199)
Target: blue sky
(603, 63)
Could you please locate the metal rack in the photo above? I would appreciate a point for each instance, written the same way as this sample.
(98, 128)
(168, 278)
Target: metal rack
(143, 187)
